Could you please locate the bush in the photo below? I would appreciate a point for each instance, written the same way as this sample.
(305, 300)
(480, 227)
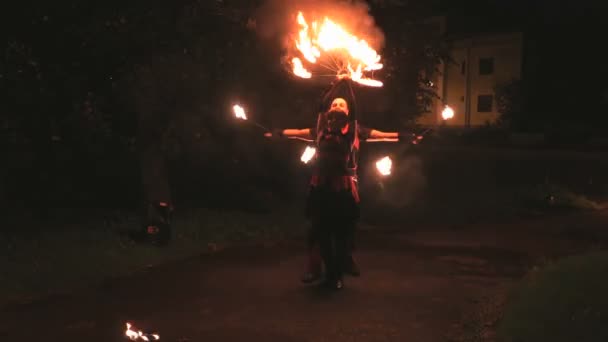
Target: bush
(509, 101)
(34, 264)
(566, 301)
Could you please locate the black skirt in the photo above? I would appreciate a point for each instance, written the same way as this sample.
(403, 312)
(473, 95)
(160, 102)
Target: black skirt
(324, 203)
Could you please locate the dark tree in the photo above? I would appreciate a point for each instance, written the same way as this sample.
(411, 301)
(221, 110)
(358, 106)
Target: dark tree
(509, 100)
(414, 49)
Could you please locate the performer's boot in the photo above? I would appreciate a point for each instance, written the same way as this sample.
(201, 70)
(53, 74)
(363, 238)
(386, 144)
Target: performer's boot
(350, 266)
(314, 268)
(334, 283)
(334, 277)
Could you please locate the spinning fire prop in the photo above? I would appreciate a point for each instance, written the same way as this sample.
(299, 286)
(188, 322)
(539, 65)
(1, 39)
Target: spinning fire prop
(322, 43)
(325, 43)
(138, 335)
(308, 154)
(384, 166)
(447, 113)
(239, 113)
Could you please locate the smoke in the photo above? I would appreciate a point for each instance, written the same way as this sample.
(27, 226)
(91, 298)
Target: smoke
(405, 185)
(276, 19)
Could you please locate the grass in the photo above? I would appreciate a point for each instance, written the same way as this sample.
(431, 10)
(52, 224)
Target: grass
(564, 301)
(455, 207)
(60, 260)
(549, 196)
(447, 186)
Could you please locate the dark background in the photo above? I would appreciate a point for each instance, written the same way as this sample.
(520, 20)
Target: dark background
(105, 104)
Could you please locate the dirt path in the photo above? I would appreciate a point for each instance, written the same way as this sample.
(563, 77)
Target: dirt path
(414, 287)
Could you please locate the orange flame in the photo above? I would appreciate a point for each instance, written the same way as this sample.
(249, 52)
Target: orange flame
(137, 335)
(239, 112)
(131, 334)
(329, 37)
(447, 113)
(384, 166)
(299, 70)
(308, 154)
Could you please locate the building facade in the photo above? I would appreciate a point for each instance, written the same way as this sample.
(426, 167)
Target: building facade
(467, 83)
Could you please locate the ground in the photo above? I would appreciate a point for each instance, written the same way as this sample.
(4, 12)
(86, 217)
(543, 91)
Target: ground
(416, 285)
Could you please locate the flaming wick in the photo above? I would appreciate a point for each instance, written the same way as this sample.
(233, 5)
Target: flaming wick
(327, 36)
(239, 112)
(137, 335)
(384, 166)
(447, 113)
(308, 154)
(299, 70)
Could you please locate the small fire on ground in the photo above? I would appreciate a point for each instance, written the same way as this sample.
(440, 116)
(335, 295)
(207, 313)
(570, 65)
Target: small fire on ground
(134, 334)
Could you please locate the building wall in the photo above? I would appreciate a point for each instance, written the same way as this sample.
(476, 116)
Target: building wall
(462, 83)
(455, 81)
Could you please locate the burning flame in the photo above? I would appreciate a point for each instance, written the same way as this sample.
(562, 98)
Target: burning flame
(447, 113)
(384, 166)
(329, 37)
(308, 154)
(299, 70)
(239, 112)
(131, 334)
(137, 335)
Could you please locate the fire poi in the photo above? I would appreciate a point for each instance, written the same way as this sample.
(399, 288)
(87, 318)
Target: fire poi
(137, 335)
(322, 42)
(384, 166)
(308, 154)
(239, 113)
(447, 113)
(325, 43)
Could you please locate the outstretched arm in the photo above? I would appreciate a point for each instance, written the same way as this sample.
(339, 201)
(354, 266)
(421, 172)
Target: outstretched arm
(374, 135)
(383, 136)
(306, 134)
(291, 133)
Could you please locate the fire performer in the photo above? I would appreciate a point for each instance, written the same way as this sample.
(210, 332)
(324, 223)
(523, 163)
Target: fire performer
(333, 201)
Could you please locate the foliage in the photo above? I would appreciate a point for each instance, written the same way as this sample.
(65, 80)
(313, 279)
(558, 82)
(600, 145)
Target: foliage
(87, 253)
(509, 101)
(96, 96)
(548, 196)
(414, 49)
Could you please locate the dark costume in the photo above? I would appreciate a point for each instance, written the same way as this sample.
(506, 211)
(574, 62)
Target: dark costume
(333, 203)
(314, 268)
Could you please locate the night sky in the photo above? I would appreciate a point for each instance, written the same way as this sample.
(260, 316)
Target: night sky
(563, 71)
